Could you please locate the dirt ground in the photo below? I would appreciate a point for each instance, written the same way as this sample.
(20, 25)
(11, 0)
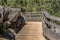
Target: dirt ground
(31, 31)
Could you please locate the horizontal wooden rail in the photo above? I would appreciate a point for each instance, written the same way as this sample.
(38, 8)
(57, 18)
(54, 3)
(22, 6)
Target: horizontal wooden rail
(32, 12)
(32, 16)
(51, 28)
(47, 15)
(51, 24)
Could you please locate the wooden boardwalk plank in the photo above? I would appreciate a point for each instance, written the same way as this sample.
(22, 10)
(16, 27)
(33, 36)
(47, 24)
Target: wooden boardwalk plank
(31, 31)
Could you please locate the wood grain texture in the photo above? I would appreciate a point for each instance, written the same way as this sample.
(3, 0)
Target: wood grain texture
(31, 31)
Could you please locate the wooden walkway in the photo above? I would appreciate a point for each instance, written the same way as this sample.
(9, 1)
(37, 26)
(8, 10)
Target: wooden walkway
(31, 31)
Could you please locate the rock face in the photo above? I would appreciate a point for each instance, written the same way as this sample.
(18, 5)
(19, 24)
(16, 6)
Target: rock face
(11, 18)
(10, 15)
(31, 31)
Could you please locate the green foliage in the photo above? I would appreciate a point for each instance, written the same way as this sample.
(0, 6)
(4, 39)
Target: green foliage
(27, 5)
(52, 6)
(2, 29)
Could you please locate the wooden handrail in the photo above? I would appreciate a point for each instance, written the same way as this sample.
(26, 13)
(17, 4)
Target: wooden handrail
(50, 21)
(47, 15)
(51, 24)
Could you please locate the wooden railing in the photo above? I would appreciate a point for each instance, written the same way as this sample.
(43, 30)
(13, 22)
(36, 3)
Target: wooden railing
(51, 26)
(32, 16)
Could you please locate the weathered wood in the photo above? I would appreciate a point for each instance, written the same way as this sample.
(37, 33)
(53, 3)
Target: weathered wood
(32, 16)
(31, 31)
(47, 15)
(32, 12)
(52, 35)
(51, 24)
